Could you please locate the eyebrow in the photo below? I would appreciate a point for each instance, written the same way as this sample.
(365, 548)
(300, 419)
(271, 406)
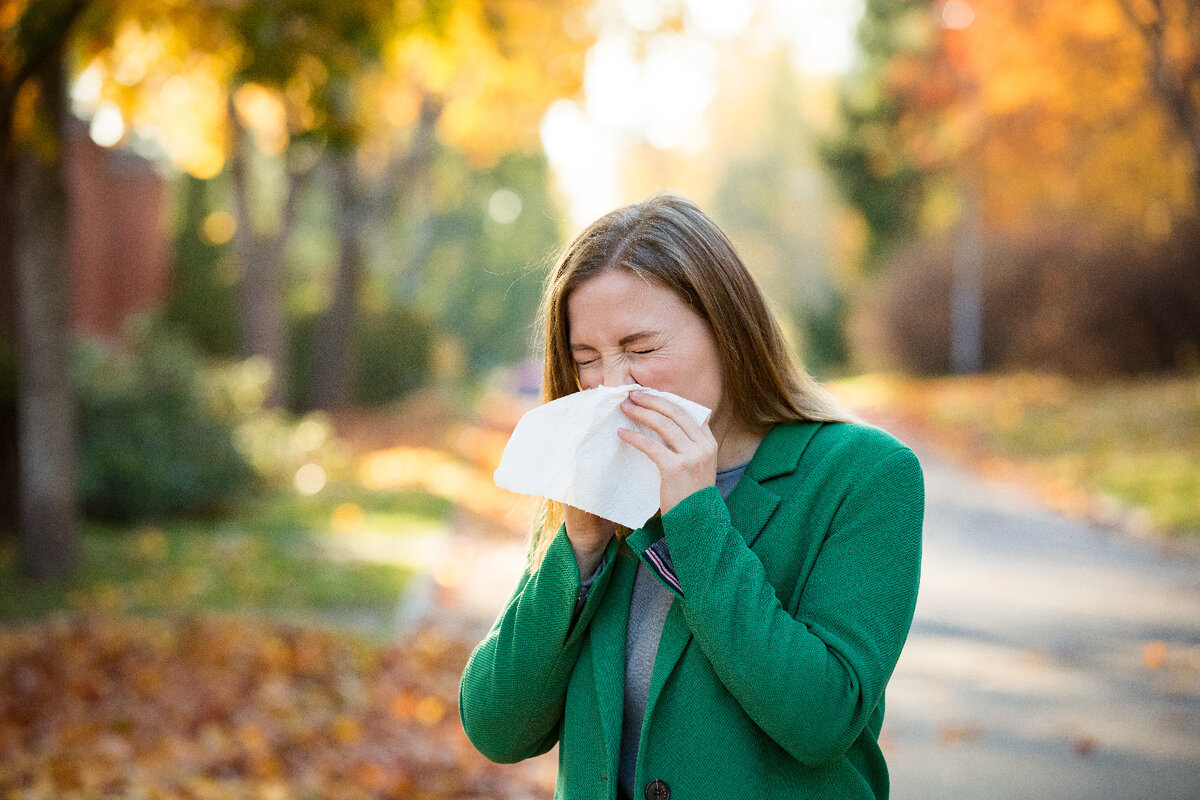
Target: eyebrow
(633, 337)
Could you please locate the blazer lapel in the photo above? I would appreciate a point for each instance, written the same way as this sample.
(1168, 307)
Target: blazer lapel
(607, 635)
(751, 504)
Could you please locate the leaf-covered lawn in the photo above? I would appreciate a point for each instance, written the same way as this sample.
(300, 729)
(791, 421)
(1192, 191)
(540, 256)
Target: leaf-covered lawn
(1124, 451)
(209, 707)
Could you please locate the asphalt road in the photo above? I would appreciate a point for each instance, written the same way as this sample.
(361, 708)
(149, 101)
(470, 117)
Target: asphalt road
(1049, 658)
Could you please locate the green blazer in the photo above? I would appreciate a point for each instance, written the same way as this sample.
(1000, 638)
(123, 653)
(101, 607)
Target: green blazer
(797, 596)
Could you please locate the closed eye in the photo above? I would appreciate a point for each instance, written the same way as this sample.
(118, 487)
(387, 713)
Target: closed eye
(645, 352)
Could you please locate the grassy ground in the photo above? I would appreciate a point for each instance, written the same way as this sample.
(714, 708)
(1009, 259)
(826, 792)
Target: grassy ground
(285, 555)
(1125, 451)
(340, 555)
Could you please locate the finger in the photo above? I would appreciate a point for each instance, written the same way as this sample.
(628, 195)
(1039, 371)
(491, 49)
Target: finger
(654, 449)
(667, 428)
(668, 409)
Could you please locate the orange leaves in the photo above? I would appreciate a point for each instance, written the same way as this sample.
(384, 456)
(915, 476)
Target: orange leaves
(214, 707)
(428, 710)
(1154, 654)
(1054, 108)
(955, 734)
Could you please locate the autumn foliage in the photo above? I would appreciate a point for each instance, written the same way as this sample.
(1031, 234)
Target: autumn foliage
(1054, 148)
(211, 707)
(1057, 110)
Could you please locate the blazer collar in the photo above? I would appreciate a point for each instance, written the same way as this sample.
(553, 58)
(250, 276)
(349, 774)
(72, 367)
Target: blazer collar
(780, 451)
(751, 504)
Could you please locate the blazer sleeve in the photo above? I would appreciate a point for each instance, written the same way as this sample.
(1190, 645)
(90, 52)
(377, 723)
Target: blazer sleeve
(513, 689)
(811, 679)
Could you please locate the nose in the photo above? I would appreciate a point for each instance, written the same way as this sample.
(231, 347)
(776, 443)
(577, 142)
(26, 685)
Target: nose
(616, 372)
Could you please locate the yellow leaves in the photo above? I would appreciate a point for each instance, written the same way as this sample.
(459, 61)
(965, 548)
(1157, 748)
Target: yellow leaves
(241, 709)
(346, 518)
(429, 711)
(1154, 654)
(346, 730)
(167, 86)
(497, 67)
(167, 69)
(264, 114)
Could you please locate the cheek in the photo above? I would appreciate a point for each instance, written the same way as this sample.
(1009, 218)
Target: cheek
(666, 375)
(700, 380)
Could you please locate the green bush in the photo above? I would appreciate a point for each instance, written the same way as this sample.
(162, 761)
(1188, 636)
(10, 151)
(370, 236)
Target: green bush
(151, 442)
(390, 356)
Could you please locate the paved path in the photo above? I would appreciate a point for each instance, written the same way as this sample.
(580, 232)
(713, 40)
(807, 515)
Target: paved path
(1050, 659)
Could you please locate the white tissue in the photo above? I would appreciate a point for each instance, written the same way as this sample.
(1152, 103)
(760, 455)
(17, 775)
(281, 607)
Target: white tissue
(568, 450)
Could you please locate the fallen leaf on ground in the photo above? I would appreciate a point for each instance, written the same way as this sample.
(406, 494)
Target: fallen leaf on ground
(226, 707)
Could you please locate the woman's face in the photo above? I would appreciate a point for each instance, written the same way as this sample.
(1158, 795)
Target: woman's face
(626, 329)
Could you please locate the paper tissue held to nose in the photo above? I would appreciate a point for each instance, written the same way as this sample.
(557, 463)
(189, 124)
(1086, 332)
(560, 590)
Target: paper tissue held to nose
(568, 450)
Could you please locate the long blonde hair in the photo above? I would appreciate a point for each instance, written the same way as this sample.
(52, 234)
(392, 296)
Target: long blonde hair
(669, 240)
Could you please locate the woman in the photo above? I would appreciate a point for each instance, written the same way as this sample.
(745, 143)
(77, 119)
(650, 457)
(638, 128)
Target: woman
(738, 644)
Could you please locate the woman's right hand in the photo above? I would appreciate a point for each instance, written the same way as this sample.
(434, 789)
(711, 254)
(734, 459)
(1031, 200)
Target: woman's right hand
(589, 537)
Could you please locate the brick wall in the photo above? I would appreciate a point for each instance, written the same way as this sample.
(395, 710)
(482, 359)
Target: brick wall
(118, 235)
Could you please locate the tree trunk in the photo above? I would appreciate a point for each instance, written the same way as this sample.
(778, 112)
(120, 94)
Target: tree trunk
(41, 31)
(48, 503)
(411, 184)
(262, 323)
(333, 355)
(9, 465)
(262, 290)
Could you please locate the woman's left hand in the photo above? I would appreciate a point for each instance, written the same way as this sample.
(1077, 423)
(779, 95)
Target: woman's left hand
(687, 455)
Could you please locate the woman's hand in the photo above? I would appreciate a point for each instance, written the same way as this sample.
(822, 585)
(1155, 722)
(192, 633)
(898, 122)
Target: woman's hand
(687, 455)
(589, 536)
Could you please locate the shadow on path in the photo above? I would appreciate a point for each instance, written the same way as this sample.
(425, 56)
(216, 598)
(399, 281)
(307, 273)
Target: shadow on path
(1049, 658)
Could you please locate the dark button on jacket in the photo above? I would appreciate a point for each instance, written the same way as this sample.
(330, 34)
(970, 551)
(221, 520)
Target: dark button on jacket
(658, 790)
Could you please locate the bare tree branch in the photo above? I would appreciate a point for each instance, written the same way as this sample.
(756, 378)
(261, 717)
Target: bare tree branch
(1175, 81)
(47, 45)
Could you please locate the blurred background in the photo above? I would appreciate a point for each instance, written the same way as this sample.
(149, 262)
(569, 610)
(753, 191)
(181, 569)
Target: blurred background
(269, 275)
